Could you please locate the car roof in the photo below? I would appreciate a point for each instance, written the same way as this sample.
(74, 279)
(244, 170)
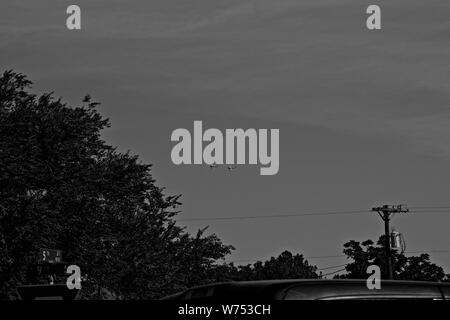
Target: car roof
(267, 288)
(263, 283)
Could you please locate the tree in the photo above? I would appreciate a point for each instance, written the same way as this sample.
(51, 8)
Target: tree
(285, 266)
(404, 268)
(62, 186)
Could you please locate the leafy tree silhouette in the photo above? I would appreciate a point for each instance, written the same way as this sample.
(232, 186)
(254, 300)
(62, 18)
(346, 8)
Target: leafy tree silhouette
(404, 268)
(285, 266)
(62, 186)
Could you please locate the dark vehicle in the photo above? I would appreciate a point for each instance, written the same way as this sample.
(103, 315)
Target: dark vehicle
(316, 290)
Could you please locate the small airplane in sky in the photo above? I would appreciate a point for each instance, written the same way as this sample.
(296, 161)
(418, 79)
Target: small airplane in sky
(215, 165)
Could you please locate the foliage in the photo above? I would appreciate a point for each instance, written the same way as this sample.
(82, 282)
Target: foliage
(62, 186)
(285, 266)
(404, 268)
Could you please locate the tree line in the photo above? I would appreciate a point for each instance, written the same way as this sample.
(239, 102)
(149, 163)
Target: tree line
(62, 186)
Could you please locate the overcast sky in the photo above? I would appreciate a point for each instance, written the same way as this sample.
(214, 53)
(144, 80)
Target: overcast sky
(364, 116)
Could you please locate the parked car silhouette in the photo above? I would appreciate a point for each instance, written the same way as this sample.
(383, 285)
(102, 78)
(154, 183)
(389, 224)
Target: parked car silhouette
(315, 290)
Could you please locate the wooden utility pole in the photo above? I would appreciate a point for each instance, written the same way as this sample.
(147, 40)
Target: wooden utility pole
(386, 212)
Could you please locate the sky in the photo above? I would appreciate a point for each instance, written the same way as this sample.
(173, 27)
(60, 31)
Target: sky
(364, 115)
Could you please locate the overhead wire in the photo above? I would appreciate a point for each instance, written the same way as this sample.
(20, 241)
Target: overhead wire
(419, 210)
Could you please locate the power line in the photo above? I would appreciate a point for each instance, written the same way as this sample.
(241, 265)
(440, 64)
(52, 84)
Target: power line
(431, 211)
(276, 216)
(426, 251)
(431, 207)
(292, 215)
(343, 255)
(326, 257)
(342, 265)
(327, 274)
(332, 267)
(422, 209)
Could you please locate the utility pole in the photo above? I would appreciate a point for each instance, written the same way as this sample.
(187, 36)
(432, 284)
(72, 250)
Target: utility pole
(386, 212)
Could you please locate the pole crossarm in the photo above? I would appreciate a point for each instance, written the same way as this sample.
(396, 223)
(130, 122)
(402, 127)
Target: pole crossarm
(391, 209)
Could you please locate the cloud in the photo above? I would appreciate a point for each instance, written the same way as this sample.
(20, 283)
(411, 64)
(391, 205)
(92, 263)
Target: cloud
(310, 62)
